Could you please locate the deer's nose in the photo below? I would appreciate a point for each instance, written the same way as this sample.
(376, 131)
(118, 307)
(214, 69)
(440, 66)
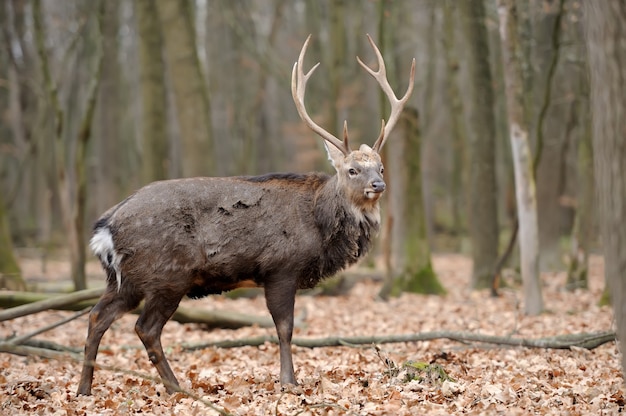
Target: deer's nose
(378, 186)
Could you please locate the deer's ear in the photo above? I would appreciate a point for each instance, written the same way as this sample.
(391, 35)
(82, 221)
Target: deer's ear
(335, 156)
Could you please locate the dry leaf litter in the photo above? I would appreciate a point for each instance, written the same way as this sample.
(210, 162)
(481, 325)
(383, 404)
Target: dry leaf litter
(461, 378)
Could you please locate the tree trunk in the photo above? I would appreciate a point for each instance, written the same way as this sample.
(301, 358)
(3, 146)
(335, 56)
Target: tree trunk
(582, 236)
(427, 142)
(411, 267)
(72, 185)
(188, 82)
(23, 175)
(605, 22)
(107, 141)
(78, 201)
(522, 160)
(265, 145)
(458, 194)
(337, 46)
(10, 274)
(550, 147)
(242, 79)
(154, 137)
(483, 215)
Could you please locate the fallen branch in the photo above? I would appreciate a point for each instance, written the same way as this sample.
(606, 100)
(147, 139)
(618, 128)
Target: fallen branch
(28, 351)
(44, 302)
(44, 344)
(583, 340)
(26, 303)
(21, 339)
(220, 319)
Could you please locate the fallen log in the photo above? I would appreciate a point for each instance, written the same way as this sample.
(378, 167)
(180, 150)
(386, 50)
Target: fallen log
(31, 303)
(45, 352)
(220, 319)
(26, 303)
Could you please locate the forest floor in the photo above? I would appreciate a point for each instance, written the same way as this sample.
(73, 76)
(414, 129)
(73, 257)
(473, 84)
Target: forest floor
(484, 379)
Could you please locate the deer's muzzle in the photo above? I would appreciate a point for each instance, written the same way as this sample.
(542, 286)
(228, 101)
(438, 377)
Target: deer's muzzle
(378, 186)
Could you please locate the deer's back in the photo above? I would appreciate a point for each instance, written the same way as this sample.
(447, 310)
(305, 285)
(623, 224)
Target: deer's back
(215, 234)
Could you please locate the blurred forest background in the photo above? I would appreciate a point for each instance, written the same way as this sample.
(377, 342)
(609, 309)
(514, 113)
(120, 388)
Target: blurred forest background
(98, 98)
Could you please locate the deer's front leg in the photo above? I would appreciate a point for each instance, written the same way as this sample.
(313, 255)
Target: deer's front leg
(280, 297)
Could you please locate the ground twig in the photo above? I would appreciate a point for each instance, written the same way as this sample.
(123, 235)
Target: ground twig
(582, 340)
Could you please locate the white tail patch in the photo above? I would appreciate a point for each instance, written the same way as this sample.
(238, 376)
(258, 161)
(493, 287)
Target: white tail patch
(102, 246)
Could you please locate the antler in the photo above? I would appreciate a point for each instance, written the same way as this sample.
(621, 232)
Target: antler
(298, 86)
(396, 104)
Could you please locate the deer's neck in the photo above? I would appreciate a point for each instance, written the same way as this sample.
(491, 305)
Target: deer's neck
(347, 230)
(331, 202)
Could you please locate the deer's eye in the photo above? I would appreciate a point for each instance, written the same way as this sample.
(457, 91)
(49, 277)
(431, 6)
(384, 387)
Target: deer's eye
(382, 170)
(352, 172)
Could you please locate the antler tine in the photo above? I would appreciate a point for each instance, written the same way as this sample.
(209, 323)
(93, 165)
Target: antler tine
(380, 137)
(298, 87)
(396, 104)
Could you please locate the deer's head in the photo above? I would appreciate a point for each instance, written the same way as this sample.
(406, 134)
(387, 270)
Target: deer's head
(359, 172)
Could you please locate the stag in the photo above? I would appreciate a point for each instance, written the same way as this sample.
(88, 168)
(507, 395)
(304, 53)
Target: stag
(200, 236)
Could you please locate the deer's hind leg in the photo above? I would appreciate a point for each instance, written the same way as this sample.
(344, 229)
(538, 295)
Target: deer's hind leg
(158, 309)
(110, 307)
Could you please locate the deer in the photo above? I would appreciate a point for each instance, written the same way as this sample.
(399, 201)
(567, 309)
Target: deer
(207, 235)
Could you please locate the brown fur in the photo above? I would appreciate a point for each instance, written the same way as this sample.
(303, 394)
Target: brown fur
(203, 236)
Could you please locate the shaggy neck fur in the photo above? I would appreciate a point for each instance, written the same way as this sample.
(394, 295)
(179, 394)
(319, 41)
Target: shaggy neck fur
(346, 231)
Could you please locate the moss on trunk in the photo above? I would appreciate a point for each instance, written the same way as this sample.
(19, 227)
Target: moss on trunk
(423, 280)
(10, 273)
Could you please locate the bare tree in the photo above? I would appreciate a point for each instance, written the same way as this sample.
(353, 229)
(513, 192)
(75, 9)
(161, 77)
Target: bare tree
(584, 230)
(337, 46)
(107, 119)
(22, 167)
(189, 86)
(453, 100)
(240, 80)
(153, 93)
(405, 247)
(410, 267)
(551, 125)
(70, 174)
(10, 274)
(522, 159)
(604, 22)
(483, 218)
